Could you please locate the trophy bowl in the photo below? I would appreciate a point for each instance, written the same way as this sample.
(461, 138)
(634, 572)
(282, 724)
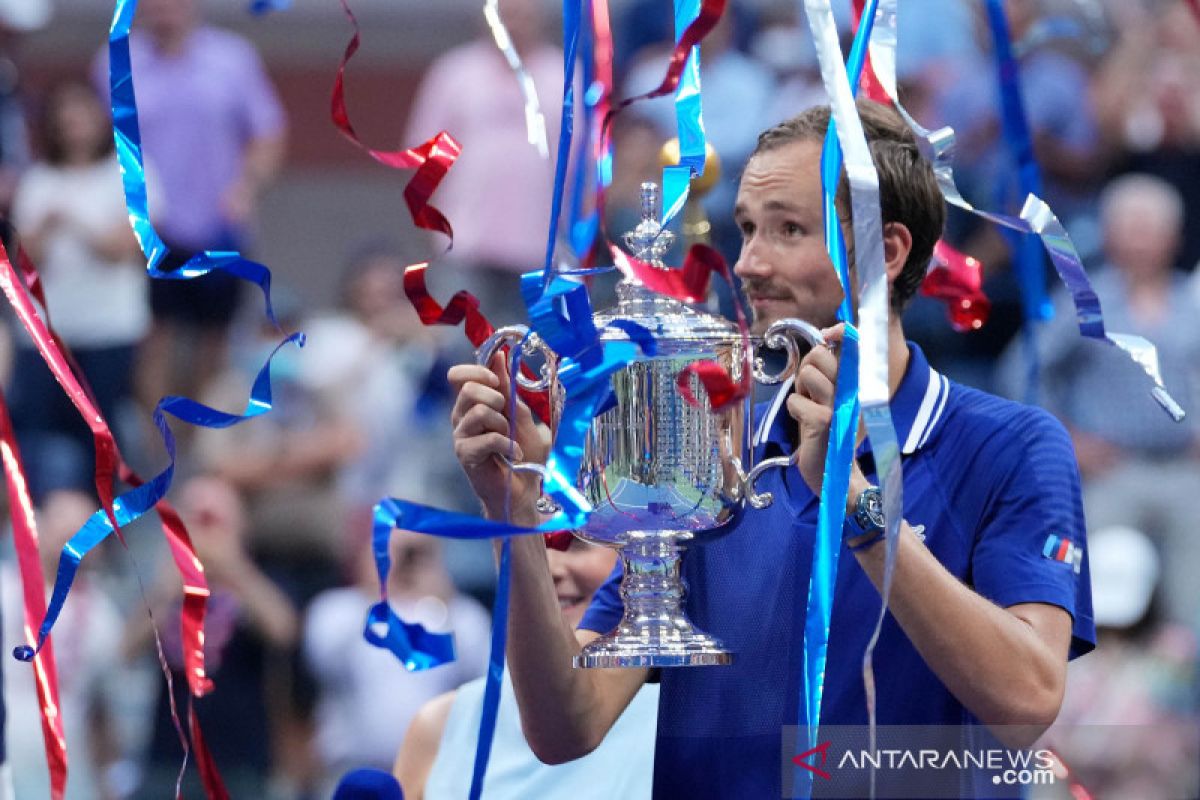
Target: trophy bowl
(663, 474)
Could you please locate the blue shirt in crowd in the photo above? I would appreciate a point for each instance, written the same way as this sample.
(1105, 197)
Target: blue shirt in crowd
(996, 487)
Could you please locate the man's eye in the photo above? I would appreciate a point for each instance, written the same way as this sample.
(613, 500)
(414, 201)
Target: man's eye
(792, 229)
(747, 229)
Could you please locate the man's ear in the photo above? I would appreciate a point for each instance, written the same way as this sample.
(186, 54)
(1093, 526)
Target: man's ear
(897, 244)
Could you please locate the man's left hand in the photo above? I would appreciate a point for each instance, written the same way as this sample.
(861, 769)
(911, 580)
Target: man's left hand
(811, 405)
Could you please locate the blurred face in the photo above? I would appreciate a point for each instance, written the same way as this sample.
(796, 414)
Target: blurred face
(377, 288)
(523, 19)
(1139, 241)
(167, 19)
(784, 266)
(577, 574)
(80, 122)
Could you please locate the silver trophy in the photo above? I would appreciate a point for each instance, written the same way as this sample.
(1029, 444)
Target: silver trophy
(661, 473)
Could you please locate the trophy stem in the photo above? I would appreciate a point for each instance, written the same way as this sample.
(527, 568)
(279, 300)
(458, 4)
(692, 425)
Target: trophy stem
(654, 631)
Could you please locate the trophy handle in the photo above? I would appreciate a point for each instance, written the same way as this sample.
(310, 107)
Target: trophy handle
(519, 336)
(784, 334)
(529, 344)
(763, 500)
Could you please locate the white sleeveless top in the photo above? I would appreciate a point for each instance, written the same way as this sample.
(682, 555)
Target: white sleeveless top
(621, 767)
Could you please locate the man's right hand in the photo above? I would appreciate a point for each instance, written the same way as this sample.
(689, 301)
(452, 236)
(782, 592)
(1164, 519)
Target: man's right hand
(482, 434)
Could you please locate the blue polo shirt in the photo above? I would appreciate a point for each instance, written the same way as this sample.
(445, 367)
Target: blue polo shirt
(995, 484)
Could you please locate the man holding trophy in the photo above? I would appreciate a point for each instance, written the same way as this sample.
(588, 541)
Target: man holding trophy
(985, 609)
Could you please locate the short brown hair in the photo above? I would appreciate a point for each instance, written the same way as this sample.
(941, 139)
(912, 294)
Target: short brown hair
(908, 189)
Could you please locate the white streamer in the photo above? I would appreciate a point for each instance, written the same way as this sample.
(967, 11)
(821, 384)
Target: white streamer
(535, 121)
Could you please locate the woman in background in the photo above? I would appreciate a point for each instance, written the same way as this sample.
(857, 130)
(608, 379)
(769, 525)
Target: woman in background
(69, 211)
(438, 752)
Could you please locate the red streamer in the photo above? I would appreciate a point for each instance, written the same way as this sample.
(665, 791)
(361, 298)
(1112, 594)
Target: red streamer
(66, 370)
(106, 446)
(432, 160)
(33, 585)
(868, 84)
(702, 25)
(957, 280)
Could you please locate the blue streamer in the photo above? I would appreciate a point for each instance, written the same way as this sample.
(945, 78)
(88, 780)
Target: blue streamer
(127, 135)
(581, 229)
(566, 128)
(133, 504)
(495, 673)
(827, 544)
(689, 119)
(1028, 260)
(839, 453)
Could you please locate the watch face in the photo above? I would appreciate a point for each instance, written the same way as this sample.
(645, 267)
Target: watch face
(873, 507)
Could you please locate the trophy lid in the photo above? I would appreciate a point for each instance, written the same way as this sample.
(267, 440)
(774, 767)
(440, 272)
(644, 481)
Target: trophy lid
(665, 317)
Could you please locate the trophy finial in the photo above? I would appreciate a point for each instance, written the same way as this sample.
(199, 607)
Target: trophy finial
(648, 241)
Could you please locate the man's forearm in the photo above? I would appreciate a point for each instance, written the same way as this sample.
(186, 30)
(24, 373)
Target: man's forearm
(997, 664)
(553, 696)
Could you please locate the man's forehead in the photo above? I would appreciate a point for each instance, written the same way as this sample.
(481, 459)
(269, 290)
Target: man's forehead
(775, 179)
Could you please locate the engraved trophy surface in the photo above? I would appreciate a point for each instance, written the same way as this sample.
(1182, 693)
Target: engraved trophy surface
(663, 474)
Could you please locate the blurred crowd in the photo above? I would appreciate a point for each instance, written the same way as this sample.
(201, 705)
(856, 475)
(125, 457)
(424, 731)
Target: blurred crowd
(280, 508)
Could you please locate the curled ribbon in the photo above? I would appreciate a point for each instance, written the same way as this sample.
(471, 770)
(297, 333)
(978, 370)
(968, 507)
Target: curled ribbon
(136, 502)
(431, 160)
(1035, 216)
(133, 173)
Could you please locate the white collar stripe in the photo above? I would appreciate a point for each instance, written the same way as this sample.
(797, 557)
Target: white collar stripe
(945, 384)
(928, 403)
(764, 425)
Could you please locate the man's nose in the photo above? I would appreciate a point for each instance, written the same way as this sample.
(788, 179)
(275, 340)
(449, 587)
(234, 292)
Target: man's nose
(751, 260)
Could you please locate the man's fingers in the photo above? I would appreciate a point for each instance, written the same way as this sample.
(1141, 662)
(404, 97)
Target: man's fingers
(476, 394)
(462, 374)
(479, 420)
(473, 452)
(813, 417)
(834, 335)
(811, 382)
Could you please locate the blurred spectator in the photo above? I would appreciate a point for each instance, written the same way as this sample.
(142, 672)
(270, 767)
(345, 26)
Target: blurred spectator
(386, 373)
(285, 463)
(1149, 104)
(17, 18)
(86, 639)
(497, 197)
(212, 124)
(438, 751)
(249, 627)
(1137, 464)
(737, 94)
(1127, 727)
(71, 215)
(367, 698)
(1055, 81)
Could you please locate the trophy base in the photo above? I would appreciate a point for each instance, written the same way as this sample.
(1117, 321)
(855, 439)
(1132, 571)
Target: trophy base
(695, 650)
(654, 631)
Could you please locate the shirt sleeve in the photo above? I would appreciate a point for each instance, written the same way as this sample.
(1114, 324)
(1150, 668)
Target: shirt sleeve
(1031, 544)
(262, 111)
(606, 608)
